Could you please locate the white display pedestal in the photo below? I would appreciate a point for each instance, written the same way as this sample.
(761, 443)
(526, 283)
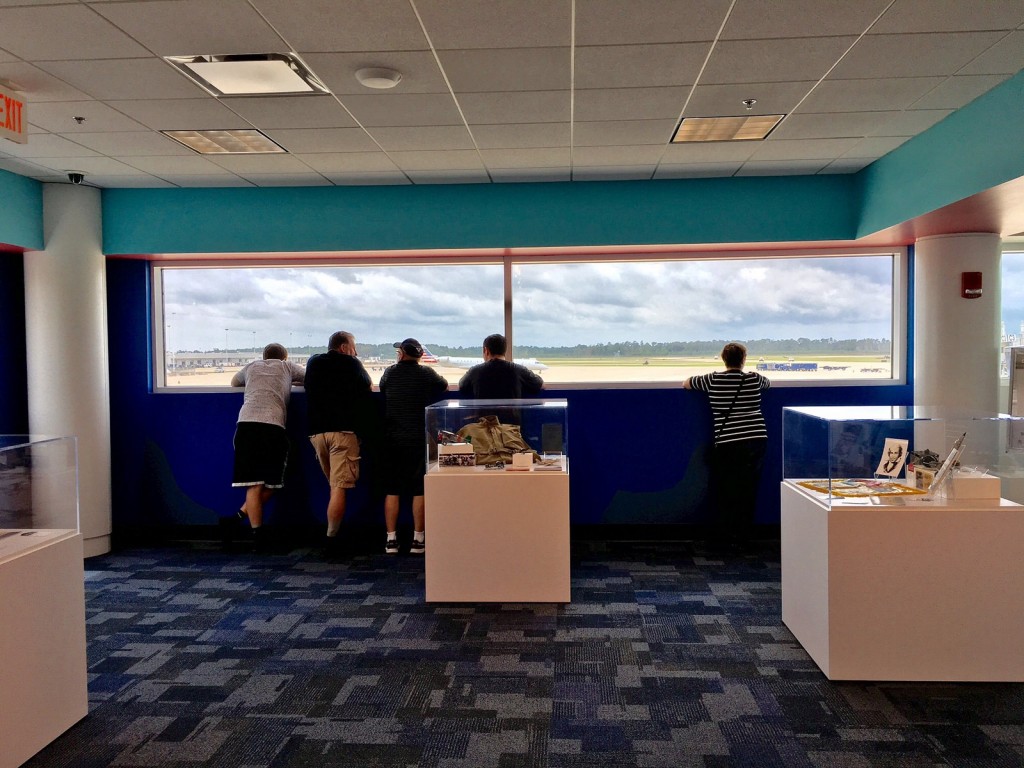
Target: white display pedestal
(42, 640)
(497, 536)
(907, 590)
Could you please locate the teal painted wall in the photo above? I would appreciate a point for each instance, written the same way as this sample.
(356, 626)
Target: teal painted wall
(21, 211)
(976, 148)
(141, 221)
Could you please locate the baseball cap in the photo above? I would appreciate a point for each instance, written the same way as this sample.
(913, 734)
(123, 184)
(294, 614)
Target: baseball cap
(411, 347)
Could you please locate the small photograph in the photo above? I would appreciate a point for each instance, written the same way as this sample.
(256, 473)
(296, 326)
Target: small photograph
(923, 478)
(894, 456)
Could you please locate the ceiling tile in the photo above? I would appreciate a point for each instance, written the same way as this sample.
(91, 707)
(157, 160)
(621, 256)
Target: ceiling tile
(449, 177)
(910, 122)
(198, 180)
(72, 32)
(760, 19)
(58, 117)
(648, 154)
(354, 25)
(613, 173)
(613, 132)
(368, 178)
(620, 22)
(404, 109)
(776, 60)
(629, 103)
(727, 100)
(181, 114)
(7, 57)
(177, 166)
(286, 180)
(138, 181)
(950, 16)
(516, 107)
(843, 165)
(714, 152)
(555, 157)
(348, 162)
(696, 170)
(521, 136)
(832, 125)
(882, 95)
(23, 167)
(187, 27)
(804, 149)
(39, 85)
(782, 168)
(513, 69)
(456, 160)
(310, 140)
(912, 55)
(263, 163)
(1006, 57)
(124, 78)
(423, 137)
(420, 73)
(461, 24)
(529, 175)
(628, 66)
(88, 165)
(319, 111)
(47, 145)
(955, 92)
(874, 147)
(132, 144)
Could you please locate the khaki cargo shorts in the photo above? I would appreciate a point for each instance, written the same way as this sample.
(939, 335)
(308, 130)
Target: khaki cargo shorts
(338, 454)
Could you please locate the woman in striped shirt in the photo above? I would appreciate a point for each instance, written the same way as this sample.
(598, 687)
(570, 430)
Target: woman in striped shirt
(740, 441)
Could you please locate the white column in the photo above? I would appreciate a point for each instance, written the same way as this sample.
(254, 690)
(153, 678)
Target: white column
(66, 337)
(956, 340)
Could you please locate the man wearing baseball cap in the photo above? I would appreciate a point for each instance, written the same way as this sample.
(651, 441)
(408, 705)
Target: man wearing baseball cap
(408, 388)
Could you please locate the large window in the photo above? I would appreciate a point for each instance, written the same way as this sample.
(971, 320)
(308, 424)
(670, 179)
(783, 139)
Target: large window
(1012, 306)
(820, 318)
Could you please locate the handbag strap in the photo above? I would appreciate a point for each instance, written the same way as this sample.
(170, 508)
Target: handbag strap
(728, 413)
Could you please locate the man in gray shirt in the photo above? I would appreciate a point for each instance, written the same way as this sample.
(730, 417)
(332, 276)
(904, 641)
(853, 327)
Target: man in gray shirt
(261, 444)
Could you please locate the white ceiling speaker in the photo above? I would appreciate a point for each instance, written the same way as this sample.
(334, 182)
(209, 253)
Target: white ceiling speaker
(380, 78)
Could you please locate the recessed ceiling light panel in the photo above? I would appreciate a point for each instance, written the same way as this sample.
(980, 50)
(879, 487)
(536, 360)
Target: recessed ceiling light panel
(746, 128)
(230, 142)
(250, 74)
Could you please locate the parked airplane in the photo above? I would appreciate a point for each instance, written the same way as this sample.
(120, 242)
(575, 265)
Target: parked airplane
(468, 362)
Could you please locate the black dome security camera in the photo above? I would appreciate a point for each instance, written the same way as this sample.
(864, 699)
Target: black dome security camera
(76, 177)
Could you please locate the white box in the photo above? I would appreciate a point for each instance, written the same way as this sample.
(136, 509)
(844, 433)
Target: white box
(973, 485)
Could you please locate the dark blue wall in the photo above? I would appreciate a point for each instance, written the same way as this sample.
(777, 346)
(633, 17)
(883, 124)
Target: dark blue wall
(13, 380)
(635, 453)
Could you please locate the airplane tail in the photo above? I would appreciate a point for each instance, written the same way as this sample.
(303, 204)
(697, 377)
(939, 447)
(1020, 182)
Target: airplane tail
(428, 356)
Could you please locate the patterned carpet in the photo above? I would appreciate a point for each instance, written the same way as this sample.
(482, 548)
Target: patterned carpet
(663, 658)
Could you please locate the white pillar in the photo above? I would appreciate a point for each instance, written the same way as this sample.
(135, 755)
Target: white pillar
(956, 340)
(66, 337)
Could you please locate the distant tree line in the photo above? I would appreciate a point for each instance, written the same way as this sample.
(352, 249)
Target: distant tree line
(709, 348)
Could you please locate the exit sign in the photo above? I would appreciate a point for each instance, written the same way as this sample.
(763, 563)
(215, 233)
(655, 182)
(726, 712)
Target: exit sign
(13, 116)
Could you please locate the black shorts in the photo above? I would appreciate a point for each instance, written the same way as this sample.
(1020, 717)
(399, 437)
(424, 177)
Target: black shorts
(404, 468)
(261, 454)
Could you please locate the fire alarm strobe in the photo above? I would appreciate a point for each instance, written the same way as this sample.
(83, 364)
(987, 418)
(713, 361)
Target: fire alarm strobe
(970, 285)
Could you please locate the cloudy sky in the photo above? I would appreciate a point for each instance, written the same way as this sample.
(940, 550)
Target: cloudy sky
(1013, 291)
(554, 304)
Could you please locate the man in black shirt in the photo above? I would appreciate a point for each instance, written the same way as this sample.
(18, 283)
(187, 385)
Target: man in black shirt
(337, 400)
(408, 388)
(496, 377)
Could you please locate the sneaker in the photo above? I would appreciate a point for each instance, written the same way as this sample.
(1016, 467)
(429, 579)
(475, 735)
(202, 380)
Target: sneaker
(391, 547)
(417, 547)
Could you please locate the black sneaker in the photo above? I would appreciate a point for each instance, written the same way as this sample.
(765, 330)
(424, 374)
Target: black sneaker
(418, 547)
(391, 547)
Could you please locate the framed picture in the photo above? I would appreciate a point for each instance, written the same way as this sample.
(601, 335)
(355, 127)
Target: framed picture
(894, 456)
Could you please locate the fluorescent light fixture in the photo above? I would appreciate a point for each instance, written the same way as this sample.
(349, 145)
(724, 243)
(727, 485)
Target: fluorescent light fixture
(246, 141)
(250, 74)
(747, 128)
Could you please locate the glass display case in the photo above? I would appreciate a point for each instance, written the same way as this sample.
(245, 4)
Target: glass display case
(472, 436)
(38, 483)
(902, 454)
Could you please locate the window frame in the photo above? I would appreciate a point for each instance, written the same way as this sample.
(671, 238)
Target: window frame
(509, 259)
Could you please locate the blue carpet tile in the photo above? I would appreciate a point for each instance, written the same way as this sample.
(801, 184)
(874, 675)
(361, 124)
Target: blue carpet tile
(665, 657)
